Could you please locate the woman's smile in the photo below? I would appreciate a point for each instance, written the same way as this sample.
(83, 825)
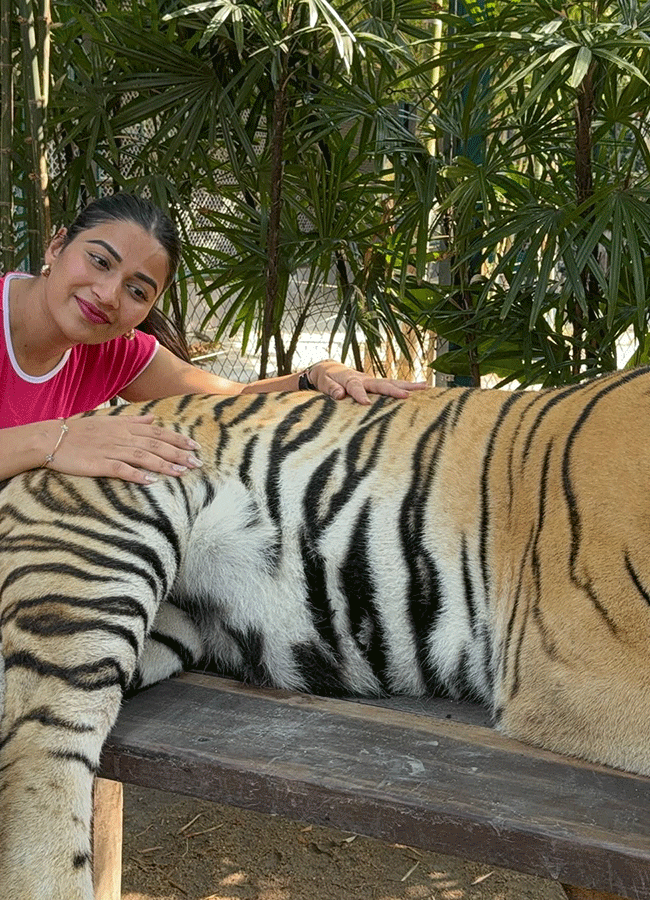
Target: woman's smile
(92, 312)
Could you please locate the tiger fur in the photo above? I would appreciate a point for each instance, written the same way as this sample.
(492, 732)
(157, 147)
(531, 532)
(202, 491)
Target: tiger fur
(478, 543)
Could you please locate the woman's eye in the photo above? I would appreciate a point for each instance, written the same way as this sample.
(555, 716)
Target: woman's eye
(99, 261)
(138, 293)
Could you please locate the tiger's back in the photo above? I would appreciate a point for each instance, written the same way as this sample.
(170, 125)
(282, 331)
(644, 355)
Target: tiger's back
(474, 542)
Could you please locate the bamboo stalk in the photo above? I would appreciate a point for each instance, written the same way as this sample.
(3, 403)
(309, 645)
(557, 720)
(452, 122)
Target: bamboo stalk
(6, 131)
(38, 218)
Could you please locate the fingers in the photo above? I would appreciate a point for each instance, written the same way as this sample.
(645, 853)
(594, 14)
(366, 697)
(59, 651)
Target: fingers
(354, 386)
(157, 457)
(143, 426)
(360, 386)
(132, 448)
(339, 381)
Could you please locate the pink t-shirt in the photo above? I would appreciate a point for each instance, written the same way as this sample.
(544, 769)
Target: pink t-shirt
(88, 374)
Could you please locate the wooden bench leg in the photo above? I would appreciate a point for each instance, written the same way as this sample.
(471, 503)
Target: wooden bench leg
(574, 893)
(107, 839)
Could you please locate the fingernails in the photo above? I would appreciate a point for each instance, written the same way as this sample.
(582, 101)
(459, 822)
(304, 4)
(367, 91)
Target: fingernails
(177, 468)
(193, 444)
(194, 462)
(150, 478)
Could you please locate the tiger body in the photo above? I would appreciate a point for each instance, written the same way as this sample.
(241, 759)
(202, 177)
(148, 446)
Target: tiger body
(478, 543)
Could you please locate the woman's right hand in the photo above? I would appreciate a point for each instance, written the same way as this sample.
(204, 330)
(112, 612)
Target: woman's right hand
(128, 447)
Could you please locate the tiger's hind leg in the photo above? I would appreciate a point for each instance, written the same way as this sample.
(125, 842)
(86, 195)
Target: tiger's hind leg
(66, 667)
(576, 679)
(175, 643)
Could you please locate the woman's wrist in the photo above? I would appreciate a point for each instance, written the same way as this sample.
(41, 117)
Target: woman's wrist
(305, 380)
(62, 433)
(47, 436)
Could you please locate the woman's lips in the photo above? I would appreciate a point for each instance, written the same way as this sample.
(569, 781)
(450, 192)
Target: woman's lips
(94, 315)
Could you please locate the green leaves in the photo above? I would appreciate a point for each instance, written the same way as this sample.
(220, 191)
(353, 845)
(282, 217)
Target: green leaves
(554, 215)
(487, 178)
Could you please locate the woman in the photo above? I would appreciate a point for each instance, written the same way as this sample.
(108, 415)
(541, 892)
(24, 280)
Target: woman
(69, 343)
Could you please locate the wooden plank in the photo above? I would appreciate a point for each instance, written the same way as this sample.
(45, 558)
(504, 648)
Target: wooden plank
(107, 839)
(581, 894)
(441, 784)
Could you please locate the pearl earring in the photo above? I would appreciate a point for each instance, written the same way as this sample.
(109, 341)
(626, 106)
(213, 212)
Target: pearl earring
(130, 335)
(46, 268)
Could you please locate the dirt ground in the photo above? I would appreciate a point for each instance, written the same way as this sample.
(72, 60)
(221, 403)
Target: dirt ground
(177, 848)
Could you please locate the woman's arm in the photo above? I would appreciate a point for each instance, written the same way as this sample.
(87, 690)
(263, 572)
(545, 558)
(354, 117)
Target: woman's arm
(168, 376)
(127, 447)
(26, 446)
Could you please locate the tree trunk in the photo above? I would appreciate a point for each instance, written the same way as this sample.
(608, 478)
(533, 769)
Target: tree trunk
(269, 323)
(6, 129)
(584, 113)
(35, 71)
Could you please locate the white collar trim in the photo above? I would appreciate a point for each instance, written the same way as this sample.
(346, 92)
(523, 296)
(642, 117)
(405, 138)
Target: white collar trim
(32, 379)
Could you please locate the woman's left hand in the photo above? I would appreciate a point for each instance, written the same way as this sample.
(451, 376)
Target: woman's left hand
(339, 381)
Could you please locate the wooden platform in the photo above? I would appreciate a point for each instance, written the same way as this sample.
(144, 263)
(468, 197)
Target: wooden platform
(432, 775)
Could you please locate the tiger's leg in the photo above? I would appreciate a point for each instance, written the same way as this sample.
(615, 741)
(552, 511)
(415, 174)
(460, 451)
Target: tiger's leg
(64, 678)
(173, 644)
(574, 673)
(50, 741)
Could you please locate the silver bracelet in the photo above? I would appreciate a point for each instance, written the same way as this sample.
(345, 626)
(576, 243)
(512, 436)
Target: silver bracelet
(50, 456)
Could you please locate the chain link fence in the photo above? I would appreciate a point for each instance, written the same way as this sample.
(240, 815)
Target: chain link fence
(317, 339)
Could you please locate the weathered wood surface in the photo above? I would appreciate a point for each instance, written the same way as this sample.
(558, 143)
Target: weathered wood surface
(586, 894)
(431, 775)
(107, 839)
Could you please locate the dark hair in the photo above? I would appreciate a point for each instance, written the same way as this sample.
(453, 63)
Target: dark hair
(130, 208)
(167, 333)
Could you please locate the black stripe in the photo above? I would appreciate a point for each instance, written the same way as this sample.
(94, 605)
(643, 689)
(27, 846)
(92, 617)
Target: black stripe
(47, 624)
(54, 568)
(461, 401)
(359, 590)
(185, 656)
(631, 571)
(314, 492)
(611, 384)
(287, 438)
(513, 443)
(87, 677)
(40, 543)
(424, 579)
(48, 719)
(516, 599)
(222, 406)
(484, 522)
(468, 587)
(317, 672)
(129, 546)
(158, 520)
(251, 646)
(184, 402)
(123, 605)
(548, 643)
(316, 596)
(359, 454)
(553, 397)
(73, 756)
(247, 460)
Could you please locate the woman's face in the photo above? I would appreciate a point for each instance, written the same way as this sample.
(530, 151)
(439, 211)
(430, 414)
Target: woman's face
(104, 282)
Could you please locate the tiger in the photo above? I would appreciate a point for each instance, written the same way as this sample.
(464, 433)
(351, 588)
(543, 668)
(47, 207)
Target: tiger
(476, 543)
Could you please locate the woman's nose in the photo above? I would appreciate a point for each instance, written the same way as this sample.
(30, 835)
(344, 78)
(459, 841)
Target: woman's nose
(107, 291)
